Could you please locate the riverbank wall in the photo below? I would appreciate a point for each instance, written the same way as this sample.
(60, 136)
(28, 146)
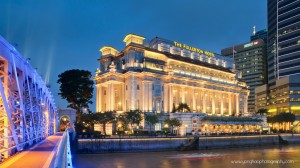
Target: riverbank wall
(168, 143)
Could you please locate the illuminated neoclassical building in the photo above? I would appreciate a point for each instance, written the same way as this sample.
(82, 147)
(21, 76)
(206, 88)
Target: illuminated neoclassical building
(156, 76)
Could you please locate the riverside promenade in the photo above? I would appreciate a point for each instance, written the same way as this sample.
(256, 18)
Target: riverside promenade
(38, 156)
(105, 145)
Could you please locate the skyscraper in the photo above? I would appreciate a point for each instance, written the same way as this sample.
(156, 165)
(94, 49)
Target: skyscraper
(282, 94)
(262, 34)
(283, 39)
(250, 59)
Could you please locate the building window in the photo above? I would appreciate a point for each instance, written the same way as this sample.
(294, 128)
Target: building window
(157, 126)
(126, 87)
(138, 87)
(104, 92)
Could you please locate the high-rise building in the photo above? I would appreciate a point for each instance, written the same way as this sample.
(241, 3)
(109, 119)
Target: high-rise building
(283, 39)
(282, 94)
(262, 34)
(250, 59)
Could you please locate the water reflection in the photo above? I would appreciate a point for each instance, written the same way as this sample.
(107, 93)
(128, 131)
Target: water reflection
(221, 158)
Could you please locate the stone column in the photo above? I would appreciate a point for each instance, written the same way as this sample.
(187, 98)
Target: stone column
(204, 101)
(170, 98)
(222, 104)
(108, 95)
(165, 92)
(245, 104)
(99, 98)
(229, 104)
(145, 96)
(150, 104)
(194, 100)
(112, 100)
(183, 95)
(123, 97)
(237, 101)
(213, 103)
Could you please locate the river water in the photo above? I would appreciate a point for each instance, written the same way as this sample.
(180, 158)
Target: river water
(266, 157)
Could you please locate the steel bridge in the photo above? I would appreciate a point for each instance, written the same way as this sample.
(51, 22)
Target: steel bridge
(27, 108)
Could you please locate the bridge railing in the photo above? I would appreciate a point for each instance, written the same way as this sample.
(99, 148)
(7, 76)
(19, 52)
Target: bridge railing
(62, 157)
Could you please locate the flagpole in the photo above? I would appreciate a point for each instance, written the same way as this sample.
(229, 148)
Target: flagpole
(233, 56)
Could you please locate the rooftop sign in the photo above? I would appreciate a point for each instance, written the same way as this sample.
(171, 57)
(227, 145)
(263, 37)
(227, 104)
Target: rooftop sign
(193, 49)
(250, 44)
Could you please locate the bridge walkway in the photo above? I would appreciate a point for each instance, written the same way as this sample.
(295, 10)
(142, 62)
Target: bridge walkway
(38, 156)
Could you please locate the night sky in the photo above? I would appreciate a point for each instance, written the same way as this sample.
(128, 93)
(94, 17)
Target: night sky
(59, 35)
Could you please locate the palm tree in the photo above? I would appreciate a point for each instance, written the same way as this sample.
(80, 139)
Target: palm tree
(183, 106)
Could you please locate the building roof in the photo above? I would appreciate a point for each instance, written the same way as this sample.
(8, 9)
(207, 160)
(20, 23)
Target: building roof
(184, 59)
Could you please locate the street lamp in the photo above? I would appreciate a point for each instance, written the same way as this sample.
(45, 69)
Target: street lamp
(186, 126)
(166, 126)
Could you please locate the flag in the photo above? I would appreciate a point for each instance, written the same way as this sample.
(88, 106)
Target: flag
(233, 50)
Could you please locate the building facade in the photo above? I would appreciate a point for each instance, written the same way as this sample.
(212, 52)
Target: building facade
(283, 97)
(250, 59)
(156, 76)
(283, 39)
(282, 92)
(261, 34)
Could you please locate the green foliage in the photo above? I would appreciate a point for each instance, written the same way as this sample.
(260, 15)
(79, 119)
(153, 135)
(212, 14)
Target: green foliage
(151, 119)
(174, 122)
(174, 108)
(262, 111)
(230, 119)
(124, 121)
(104, 118)
(77, 88)
(134, 117)
(182, 107)
(281, 118)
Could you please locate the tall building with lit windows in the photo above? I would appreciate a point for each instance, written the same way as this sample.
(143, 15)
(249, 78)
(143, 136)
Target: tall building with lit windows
(282, 93)
(155, 76)
(283, 39)
(250, 59)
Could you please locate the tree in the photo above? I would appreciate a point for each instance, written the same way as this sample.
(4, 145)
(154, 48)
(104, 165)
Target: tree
(134, 117)
(124, 120)
(262, 111)
(183, 106)
(174, 108)
(77, 88)
(151, 119)
(285, 118)
(174, 122)
(104, 118)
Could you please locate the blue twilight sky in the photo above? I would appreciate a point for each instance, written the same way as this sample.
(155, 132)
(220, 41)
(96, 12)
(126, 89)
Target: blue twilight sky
(59, 35)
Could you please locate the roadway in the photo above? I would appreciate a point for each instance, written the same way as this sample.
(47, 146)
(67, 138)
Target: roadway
(38, 156)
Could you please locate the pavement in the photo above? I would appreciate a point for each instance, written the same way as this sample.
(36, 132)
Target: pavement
(38, 156)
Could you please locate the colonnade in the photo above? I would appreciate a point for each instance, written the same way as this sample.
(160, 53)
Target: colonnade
(203, 99)
(122, 97)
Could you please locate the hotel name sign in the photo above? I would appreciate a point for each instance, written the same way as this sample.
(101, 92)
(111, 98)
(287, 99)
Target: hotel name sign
(193, 49)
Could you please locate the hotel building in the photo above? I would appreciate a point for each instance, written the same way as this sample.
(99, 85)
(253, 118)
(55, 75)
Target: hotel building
(155, 76)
